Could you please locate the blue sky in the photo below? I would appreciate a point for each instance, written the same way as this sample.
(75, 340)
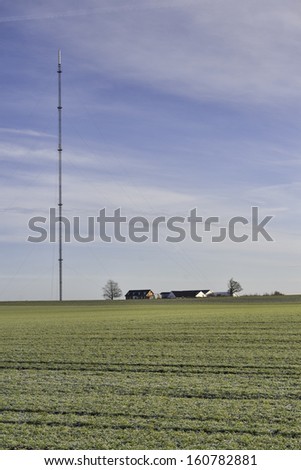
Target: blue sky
(167, 106)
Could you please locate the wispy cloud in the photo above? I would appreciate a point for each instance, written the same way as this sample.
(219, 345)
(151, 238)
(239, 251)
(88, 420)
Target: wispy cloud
(25, 132)
(52, 13)
(191, 50)
(168, 105)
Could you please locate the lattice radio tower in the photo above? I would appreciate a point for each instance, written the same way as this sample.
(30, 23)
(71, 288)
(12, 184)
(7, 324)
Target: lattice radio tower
(60, 203)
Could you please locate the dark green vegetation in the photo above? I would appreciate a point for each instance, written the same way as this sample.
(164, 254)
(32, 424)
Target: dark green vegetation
(151, 374)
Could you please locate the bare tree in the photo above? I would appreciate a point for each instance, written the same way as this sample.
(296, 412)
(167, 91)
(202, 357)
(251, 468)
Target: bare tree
(233, 287)
(111, 290)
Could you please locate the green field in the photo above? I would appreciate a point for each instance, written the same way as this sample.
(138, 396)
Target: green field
(204, 374)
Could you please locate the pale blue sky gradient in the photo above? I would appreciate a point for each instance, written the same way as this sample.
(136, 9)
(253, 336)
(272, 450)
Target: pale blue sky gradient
(167, 105)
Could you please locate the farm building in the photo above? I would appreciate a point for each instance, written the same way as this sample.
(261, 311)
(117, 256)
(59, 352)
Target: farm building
(204, 293)
(167, 295)
(186, 294)
(139, 294)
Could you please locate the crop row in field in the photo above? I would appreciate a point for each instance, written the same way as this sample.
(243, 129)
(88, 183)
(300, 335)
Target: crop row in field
(151, 375)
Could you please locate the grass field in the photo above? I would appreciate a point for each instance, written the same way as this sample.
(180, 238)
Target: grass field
(151, 374)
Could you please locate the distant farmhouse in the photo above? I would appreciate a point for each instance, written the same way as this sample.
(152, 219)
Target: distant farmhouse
(186, 294)
(139, 294)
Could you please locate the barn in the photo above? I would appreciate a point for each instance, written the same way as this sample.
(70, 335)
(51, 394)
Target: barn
(186, 294)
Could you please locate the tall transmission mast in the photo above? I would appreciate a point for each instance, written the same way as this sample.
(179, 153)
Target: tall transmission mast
(60, 203)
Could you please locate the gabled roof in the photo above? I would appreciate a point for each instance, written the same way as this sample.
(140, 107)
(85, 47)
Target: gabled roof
(139, 291)
(191, 293)
(185, 293)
